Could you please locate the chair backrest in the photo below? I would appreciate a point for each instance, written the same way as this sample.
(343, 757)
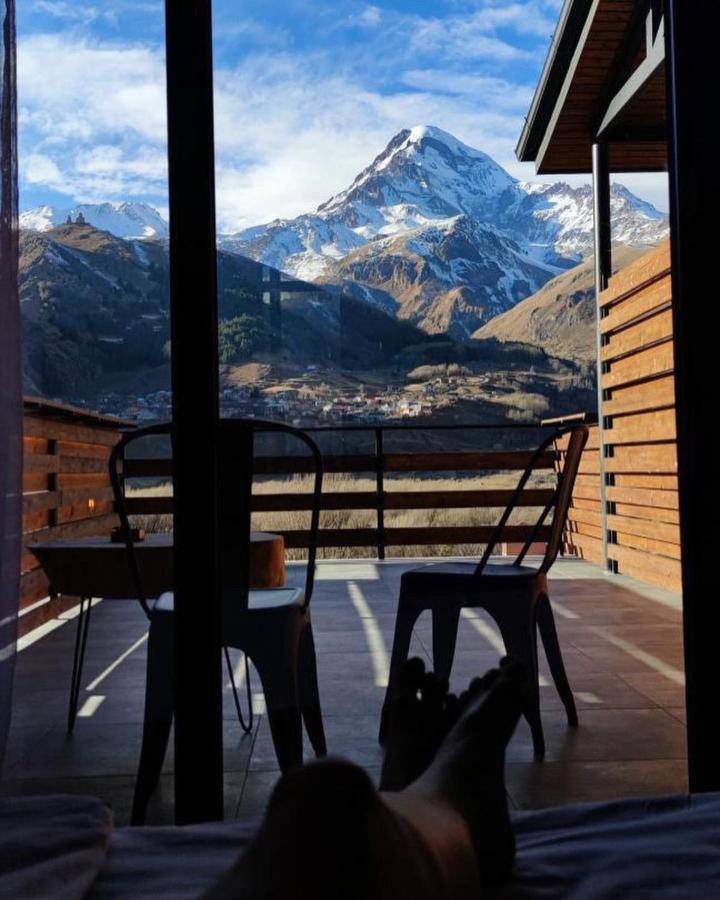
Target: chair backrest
(567, 461)
(236, 456)
(117, 481)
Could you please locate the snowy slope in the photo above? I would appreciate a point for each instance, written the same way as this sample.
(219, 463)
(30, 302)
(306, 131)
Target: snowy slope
(426, 176)
(439, 233)
(432, 230)
(125, 220)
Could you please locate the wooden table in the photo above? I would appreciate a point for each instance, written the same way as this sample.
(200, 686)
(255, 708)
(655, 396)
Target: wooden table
(97, 567)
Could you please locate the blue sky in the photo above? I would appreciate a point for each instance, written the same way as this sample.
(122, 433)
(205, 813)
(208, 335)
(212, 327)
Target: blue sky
(307, 93)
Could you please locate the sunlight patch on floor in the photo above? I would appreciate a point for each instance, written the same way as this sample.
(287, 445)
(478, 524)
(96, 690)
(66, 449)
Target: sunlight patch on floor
(91, 706)
(373, 636)
(563, 611)
(650, 660)
(340, 570)
(492, 636)
(116, 662)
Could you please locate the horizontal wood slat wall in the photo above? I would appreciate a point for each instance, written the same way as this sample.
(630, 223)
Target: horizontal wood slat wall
(639, 417)
(66, 493)
(583, 529)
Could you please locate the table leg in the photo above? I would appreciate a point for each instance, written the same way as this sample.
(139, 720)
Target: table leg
(247, 728)
(83, 624)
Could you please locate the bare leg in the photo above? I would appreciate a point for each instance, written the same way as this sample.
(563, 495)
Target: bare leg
(467, 774)
(329, 835)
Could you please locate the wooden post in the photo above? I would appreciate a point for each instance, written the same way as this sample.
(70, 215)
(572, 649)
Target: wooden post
(691, 55)
(194, 364)
(380, 491)
(603, 270)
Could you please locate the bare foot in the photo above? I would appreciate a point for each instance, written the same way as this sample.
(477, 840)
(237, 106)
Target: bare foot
(419, 717)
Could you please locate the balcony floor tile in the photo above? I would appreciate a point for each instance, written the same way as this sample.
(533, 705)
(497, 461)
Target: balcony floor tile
(622, 648)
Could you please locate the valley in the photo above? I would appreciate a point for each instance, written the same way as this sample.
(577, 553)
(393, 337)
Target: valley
(435, 289)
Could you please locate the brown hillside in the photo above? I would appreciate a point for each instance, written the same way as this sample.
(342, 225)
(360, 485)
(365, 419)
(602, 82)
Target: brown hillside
(560, 317)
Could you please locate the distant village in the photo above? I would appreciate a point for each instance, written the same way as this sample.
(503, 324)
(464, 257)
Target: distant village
(300, 407)
(300, 401)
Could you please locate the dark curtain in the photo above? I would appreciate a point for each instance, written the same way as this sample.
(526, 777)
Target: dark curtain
(10, 373)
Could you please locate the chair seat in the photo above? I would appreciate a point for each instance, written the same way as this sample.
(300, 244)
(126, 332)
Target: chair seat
(452, 572)
(272, 598)
(275, 598)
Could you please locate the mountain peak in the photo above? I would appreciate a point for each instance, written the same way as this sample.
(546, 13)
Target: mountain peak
(423, 173)
(427, 135)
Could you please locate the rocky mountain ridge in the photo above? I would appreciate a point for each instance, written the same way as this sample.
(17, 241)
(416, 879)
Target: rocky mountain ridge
(438, 233)
(432, 232)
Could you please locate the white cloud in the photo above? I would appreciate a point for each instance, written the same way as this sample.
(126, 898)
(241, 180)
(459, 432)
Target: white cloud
(291, 130)
(458, 39)
(523, 18)
(370, 16)
(484, 89)
(296, 138)
(70, 87)
(60, 9)
(40, 169)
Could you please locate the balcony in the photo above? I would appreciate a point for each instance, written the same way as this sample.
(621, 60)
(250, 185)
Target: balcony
(621, 642)
(621, 632)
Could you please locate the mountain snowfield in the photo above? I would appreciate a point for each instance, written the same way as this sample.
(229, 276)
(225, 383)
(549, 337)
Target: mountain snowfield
(426, 176)
(433, 231)
(125, 220)
(438, 233)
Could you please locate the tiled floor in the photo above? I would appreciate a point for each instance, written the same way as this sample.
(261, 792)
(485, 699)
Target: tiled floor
(621, 644)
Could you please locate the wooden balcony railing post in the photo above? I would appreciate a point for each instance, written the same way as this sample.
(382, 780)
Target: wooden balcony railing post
(380, 491)
(53, 487)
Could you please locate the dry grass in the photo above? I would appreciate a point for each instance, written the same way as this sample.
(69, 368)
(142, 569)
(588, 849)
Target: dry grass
(338, 520)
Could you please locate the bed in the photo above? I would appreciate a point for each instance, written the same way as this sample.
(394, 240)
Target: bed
(662, 847)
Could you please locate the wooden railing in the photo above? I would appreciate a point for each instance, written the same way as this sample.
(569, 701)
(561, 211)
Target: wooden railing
(382, 467)
(66, 493)
(641, 516)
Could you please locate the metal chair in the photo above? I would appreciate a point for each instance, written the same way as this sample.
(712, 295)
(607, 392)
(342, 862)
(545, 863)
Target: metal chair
(515, 595)
(83, 618)
(271, 626)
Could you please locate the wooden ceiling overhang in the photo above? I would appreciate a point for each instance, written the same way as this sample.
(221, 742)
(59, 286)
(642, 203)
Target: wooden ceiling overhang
(603, 80)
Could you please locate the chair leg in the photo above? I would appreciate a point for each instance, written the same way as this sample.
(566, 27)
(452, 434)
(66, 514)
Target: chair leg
(519, 634)
(548, 633)
(278, 669)
(407, 616)
(310, 694)
(81, 634)
(444, 637)
(159, 708)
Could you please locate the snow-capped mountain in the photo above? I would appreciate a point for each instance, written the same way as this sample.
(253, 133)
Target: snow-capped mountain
(432, 231)
(440, 233)
(125, 220)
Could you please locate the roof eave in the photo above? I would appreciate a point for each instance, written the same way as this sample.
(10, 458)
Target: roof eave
(567, 32)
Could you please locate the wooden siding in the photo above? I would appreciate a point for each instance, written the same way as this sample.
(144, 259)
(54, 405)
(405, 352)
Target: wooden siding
(583, 531)
(641, 488)
(66, 493)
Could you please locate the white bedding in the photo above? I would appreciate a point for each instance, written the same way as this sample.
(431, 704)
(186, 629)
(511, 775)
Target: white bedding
(663, 847)
(660, 848)
(52, 847)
